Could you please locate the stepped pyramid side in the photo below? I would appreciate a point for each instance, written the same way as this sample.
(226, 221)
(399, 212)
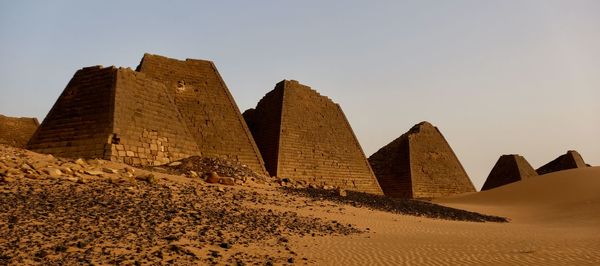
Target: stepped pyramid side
(80, 122)
(391, 165)
(420, 164)
(207, 107)
(569, 160)
(147, 126)
(315, 142)
(266, 129)
(16, 131)
(508, 169)
(114, 114)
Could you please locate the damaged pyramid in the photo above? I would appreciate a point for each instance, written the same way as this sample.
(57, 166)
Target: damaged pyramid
(420, 164)
(163, 111)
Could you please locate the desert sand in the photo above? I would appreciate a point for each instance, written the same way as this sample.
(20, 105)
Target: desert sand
(101, 215)
(555, 220)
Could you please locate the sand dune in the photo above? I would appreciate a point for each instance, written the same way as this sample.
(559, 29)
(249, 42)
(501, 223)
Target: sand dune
(569, 196)
(554, 221)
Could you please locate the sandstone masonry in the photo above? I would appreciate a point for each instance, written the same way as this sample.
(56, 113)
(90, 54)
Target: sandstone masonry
(508, 169)
(306, 136)
(166, 110)
(420, 164)
(16, 131)
(569, 160)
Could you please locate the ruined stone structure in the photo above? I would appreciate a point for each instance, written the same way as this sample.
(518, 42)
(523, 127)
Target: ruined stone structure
(16, 131)
(508, 169)
(164, 111)
(569, 160)
(305, 136)
(420, 164)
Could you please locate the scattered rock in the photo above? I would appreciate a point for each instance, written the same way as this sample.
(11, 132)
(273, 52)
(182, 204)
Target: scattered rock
(342, 193)
(94, 172)
(227, 181)
(173, 164)
(213, 178)
(109, 170)
(80, 162)
(149, 178)
(192, 174)
(53, 172)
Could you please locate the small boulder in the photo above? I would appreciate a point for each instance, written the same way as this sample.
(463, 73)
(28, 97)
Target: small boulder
(109, 170)
(341, 192)
(192, 174)
(149, 178)
(53, 172)
(229, 181)
(175, 164)
(94, 172)
(80, 162)
(213, 178)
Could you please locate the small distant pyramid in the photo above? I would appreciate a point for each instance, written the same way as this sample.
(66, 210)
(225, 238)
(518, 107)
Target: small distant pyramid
(305, 136)
(508, 169)
(420, 164)
(16, 131)
(569, 160)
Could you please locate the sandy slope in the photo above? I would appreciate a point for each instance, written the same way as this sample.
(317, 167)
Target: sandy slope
(566, 197)
(555, 221)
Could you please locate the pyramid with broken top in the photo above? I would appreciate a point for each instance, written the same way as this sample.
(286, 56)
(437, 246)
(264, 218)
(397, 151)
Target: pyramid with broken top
(508, 169)
(420, 164)
(305, 136)
(569, 160)
(165, 110)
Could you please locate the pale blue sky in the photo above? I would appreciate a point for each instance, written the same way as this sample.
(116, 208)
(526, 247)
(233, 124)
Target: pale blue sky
(496, 77)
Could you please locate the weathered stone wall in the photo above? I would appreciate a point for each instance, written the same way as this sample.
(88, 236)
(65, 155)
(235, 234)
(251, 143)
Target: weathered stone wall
(147, 129)
(207, 108)
(420, 164)
(508, 169)
(316, 142)
(569, 160)
(391, 165)
(16, 131)
(80, 122)
(266, 129)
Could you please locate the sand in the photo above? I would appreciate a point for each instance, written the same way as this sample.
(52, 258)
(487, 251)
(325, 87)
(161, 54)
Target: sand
(554, 220)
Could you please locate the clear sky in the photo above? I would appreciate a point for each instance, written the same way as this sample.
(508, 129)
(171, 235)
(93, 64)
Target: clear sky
(496, 77)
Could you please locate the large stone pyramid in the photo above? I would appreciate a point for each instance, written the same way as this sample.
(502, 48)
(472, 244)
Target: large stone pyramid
(305, 136)
(16, 131)
(166, 110)
(508, 169)
(420, 164)
(569, 160)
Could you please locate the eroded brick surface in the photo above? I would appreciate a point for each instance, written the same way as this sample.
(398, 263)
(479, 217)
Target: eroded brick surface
(16, 131)
(164, 111)
(420, 164)
(305, 136)
(208, 109)
(80, 122)
(508, 169)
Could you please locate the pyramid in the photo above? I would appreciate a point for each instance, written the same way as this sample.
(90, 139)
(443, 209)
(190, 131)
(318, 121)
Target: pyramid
(420, 164)
(305, 136)
(16, 131)
(569, 160)
(164, 111)
(508, 169)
